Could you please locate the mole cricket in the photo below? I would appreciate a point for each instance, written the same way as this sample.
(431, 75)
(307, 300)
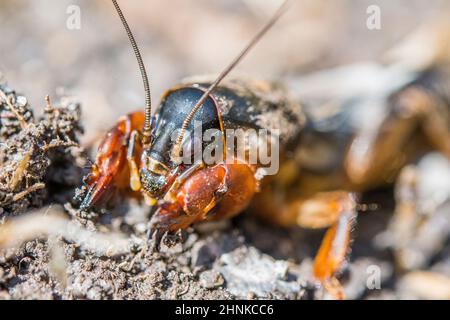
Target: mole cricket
(324, 162)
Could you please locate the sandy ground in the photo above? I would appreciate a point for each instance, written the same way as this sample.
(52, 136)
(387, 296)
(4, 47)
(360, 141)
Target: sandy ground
(242, 258)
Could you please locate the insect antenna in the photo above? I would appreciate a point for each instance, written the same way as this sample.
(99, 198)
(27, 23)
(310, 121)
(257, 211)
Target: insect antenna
(177, 146)
(146, 132)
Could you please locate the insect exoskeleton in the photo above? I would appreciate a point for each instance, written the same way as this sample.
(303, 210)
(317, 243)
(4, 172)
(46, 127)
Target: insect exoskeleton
(231, 144)
(211, 146)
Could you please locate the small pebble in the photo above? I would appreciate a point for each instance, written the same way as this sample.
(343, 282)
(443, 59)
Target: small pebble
(211, 279)
(251, 295)
(21, 101)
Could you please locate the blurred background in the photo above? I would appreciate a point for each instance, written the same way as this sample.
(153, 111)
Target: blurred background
(40, 55)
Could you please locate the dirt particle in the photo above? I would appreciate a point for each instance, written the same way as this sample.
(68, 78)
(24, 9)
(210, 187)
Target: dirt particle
(211, 279)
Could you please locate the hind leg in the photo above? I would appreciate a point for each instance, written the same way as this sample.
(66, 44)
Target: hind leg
(333, 252)
(435, 118)
(378, 152)
(333, 210)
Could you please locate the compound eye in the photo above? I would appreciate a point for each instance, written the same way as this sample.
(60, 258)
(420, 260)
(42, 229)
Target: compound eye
(153, 183)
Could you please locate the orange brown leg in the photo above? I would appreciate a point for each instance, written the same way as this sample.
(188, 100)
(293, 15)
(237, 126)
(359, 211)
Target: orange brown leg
(338, 211)
(378, 154)
(216, 192)
(335, 210)
(333, 252)
(110, 169)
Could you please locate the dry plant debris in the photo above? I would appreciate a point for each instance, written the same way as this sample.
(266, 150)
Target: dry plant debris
(34, 153)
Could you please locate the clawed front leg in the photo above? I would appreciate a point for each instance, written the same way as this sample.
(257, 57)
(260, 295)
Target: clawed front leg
(110, 170)
(210, 193)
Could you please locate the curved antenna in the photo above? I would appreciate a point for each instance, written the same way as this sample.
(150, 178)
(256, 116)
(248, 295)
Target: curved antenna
(177, 146)
(146, 132)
